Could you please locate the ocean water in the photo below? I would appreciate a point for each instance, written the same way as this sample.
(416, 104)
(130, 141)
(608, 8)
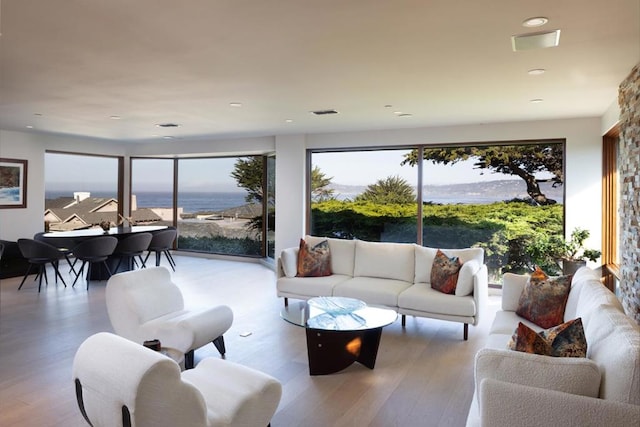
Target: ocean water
(190, 201)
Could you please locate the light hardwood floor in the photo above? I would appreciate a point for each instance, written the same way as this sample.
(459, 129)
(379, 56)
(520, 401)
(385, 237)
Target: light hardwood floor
(423, 374)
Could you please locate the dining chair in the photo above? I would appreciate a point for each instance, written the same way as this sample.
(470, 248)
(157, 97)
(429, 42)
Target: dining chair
(131, 247)
(64, 245)
(40, 254)
(122, 383)
(94, 251)
(162, 243)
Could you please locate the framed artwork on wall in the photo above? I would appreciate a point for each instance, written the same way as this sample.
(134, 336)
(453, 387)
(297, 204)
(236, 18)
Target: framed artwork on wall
(13, 183)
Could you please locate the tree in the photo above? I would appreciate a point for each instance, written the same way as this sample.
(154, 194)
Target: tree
(523, 161)
(320, 191)
(392, 189)
(248, 174)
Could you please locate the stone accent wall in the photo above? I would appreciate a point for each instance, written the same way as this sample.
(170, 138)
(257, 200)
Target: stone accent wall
(629, 170)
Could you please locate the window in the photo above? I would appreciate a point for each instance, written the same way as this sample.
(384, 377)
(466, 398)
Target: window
(152, 191)
(503, 197)
(81, 190)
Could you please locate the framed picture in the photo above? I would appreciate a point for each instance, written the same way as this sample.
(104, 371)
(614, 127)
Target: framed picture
(13, 183)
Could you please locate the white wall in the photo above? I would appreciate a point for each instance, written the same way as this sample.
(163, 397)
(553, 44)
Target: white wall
(583, 168)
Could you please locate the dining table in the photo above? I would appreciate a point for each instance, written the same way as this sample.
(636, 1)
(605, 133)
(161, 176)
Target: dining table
(69, 239)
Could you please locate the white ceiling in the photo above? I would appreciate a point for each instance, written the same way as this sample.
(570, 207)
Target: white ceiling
(67, 66)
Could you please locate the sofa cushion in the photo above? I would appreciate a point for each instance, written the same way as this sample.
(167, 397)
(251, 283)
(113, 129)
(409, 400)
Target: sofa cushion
(421, 297)
(384, 260)
(372, 290)
(289, 259)
(310, 286)
(314, 261)
(512, 287)
(464, 286)
(575, 375)
(342, 253)
(592, 294)
(505, 322)
(614, 344)
(444, 273)
(544, 298)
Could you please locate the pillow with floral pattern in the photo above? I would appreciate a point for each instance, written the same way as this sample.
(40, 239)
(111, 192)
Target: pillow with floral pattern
(564, 340)
(544, 298)
(314, 261)
(444, 273)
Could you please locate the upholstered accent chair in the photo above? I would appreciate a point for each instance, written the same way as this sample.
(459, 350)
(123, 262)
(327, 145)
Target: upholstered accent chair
(145, 304)
(121, 383)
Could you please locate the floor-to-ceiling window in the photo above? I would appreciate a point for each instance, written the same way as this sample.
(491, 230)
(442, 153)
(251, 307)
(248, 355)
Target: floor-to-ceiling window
(81, 190)
(270, 204)
(503, 197)
(152, 189)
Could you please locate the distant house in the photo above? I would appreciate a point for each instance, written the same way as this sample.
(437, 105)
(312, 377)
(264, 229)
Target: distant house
(83, 211)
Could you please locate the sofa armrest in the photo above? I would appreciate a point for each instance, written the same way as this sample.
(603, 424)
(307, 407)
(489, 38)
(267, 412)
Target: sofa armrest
(480, 291)
(575, 375)
(514, 405)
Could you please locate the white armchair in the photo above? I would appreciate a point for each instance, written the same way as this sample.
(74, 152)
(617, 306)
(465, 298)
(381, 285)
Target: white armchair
(121, 383)
(145, 304)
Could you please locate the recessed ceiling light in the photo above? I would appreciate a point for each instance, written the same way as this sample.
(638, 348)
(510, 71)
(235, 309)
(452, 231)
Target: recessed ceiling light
(289, 121)
(536, 21)
(167, 137)
(235, 104)
(397, 112)
(536, 100)
(29, 127)
(536, 71)
(115, 117)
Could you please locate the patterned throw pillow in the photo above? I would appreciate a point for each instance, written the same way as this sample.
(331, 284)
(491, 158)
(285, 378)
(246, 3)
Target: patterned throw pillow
(314, 261)
(565, 340)
(543, 299)
(527, 340)
(444, 273)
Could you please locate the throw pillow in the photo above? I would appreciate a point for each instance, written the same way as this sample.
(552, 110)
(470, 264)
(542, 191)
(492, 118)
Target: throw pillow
(464, 286)
(444, 273)
(543, 299)
(565, 340)
(314, 261)
(527, 340)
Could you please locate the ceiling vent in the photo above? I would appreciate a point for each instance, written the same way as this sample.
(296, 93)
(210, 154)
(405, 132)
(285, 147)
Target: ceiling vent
(168, 125)
(324, 112)
(535, 40)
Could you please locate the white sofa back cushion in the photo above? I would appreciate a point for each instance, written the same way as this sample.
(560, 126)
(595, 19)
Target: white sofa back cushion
(512, 287)
(608, 332)
(384, 260)
(342, 253)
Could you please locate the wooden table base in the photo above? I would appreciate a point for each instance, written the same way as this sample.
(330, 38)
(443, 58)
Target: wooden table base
(332, 351)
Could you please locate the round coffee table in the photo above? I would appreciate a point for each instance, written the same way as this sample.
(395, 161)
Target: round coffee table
(339, 331)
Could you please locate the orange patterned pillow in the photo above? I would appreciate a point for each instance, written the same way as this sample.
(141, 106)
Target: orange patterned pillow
(444, 273)
(565, 340)
(544, 298)
(314, 261)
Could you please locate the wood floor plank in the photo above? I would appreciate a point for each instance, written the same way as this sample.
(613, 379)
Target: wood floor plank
(423, 374)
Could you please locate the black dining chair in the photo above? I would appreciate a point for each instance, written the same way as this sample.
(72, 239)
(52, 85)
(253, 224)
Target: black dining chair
(131, 247)
(64, 245)
(40, 254)
(162, 243)
(94, 251)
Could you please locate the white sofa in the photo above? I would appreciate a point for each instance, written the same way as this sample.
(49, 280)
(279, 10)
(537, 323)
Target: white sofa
(394, 275)
(522, 389)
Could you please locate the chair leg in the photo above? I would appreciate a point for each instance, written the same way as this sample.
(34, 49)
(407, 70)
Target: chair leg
(25, 276)
(79, 273)
(170, 259)
(56, 267)
(42, 270)
(188, 359)
(219, 343)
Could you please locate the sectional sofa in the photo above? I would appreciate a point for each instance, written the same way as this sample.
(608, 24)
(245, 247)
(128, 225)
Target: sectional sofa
(394, 275)
(515, 388)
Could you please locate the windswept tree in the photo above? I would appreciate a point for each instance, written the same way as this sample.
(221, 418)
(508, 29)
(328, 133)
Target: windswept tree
(523, 161)
(320, 191)
(247, 171)
(392, 189)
